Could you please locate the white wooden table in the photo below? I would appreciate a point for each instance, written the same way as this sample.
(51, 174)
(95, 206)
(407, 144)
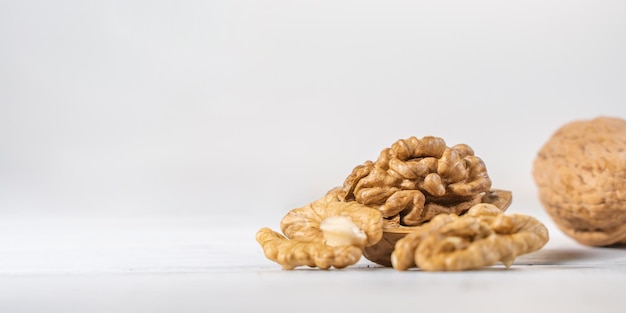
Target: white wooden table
(209, 264)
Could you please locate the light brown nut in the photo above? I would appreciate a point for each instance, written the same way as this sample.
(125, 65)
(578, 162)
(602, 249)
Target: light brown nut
(477, 181)
(380, 253)
(292, 253)
(580, 174)
(482, 237)
(419, 178)
(327, 232)
(358, 223)
(433, 209)
(403, 256)
(350, 182)
(433, 185)
(407, 149)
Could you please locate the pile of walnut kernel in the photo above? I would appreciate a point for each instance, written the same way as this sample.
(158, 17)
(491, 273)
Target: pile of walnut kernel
(420, 204)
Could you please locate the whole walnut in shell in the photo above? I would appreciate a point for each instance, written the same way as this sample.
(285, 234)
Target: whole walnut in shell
(580, 173)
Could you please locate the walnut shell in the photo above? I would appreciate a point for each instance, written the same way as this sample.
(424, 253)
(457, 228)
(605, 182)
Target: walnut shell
(580, 174)
(380, 253)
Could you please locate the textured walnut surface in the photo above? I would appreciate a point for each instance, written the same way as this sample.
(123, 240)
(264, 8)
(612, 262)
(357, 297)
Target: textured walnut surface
(299, 252)
(308, 243)
(580, 173)
(380, 253)
(482, 237)
(416, 179)
(305, 222)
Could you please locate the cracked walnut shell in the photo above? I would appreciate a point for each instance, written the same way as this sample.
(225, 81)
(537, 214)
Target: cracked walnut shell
(380, 253)
(482, 237)
(580, 173)
(413, 181)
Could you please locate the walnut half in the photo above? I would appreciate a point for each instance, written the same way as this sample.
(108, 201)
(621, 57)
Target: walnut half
(482, 237)
(325, 233)
(296, 252)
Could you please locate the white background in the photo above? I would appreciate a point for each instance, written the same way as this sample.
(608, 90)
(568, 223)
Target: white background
(254, 107)
(143, 143)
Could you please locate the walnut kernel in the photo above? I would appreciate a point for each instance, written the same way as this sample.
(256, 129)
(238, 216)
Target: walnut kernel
(416, 179)
(292, 253)
(482, 237)
(325, 233)
(340, 231)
